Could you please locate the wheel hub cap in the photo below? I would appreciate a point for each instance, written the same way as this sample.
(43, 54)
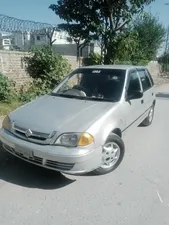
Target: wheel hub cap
(110, 155)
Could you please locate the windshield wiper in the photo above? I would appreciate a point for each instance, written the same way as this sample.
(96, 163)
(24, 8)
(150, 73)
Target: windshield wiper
(101, 99)
(67, 96)
(61, 95)
(83, 98)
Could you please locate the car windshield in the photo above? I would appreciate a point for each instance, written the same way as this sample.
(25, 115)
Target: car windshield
(93, 84)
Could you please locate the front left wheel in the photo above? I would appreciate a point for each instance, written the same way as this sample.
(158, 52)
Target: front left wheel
(112, 154)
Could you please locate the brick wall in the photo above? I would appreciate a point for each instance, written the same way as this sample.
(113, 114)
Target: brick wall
(11, 65)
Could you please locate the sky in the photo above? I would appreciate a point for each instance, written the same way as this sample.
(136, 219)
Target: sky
(37, 10)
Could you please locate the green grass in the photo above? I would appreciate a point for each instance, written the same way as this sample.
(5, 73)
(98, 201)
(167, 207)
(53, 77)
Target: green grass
(6, 108)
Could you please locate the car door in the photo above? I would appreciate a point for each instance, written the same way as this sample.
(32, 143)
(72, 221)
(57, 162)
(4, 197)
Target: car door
(147, 86)
(133, 108)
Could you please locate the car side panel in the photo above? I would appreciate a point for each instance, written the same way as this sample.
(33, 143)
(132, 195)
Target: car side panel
(148, 98)
(114, 118)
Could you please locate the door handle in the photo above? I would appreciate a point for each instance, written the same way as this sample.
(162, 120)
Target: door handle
(142, 101)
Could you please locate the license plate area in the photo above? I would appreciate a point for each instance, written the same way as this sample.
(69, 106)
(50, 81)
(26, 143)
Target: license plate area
(26, 153)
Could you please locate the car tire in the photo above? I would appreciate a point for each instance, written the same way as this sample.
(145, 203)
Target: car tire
(116, 150)
(149, 119)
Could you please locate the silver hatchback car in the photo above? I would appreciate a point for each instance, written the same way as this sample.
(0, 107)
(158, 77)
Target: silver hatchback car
(79, 126)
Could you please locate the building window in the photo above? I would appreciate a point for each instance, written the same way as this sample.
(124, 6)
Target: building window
(38, 38)
(6, 42)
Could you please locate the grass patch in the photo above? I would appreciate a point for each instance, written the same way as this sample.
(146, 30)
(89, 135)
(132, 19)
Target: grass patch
(6, 108)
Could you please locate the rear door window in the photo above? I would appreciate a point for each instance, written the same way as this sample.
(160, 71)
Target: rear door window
(150, 77)
(145, 79)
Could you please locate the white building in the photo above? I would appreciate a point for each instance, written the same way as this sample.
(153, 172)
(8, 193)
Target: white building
(23, 41)
(61, 37)
(5, 40)
(61, 42)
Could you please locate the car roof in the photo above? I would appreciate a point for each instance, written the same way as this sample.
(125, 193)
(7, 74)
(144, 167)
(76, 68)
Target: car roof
(122, 67)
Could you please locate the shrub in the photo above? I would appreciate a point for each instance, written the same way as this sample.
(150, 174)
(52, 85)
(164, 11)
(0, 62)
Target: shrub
(93, 59)
(37, 88)
(7, 92)
(46, 68)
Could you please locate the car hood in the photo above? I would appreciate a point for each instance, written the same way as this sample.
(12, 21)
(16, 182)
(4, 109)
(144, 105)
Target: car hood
(51, 113)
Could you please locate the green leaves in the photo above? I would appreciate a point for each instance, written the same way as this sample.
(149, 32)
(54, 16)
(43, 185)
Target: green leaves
(94, 59)
(43, 63)
(6, 89)
(151, 34)
(142, 39)
(47, 70)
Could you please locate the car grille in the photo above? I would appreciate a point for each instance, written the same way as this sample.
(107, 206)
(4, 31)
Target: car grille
(8, 148)
(36, 137)
(40, 161)
(35, 159)
(58, 165)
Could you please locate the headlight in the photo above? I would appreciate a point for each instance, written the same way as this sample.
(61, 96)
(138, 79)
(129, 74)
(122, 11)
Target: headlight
(6, 124)
(75, 139)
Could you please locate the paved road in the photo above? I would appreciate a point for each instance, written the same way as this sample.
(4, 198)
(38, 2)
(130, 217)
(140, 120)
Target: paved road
(136, 193)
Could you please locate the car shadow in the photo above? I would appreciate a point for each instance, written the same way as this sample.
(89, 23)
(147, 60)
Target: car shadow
(18, 172)
(163, 95)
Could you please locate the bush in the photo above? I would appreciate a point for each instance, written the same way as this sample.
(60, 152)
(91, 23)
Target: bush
(46, 68)
(94, 59)
(6, 89)
(37, 88)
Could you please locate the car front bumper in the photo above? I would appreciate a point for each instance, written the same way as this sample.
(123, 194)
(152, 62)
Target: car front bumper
(52, 157)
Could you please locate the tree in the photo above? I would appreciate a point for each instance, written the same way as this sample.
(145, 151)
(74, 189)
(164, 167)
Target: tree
(128, 48)
(151, 34)
(164, 61)
(92, 20)
(142, 39)
(50, 32)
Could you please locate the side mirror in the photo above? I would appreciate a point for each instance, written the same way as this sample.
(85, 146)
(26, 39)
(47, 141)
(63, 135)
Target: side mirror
(134, 95)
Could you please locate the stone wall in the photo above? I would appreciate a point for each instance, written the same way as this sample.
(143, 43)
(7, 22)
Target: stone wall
(12, 65)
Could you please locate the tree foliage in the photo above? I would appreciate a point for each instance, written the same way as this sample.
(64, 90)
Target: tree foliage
(45, 65)
(47, 70)
(98, 19)
(93, 59)
(128, 48)
(142, 39)
(151, 34)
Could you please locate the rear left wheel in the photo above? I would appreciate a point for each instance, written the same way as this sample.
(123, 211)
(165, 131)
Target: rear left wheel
(149, 119)
(112, 154)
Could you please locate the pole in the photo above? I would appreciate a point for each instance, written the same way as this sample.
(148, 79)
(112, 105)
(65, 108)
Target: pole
(166, 53)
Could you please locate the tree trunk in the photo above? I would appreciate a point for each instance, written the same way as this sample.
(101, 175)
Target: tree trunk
(109, 56)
